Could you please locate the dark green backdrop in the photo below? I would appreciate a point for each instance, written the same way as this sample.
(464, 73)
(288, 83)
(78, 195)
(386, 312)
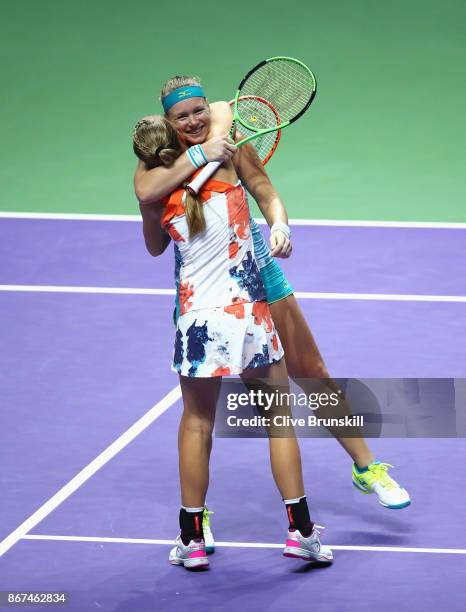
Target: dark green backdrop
(385, 138)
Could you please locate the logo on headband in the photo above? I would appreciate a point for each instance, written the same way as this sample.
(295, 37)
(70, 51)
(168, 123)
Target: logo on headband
(182, 93)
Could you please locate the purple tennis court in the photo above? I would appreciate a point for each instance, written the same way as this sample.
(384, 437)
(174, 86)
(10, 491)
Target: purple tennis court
(90, 411)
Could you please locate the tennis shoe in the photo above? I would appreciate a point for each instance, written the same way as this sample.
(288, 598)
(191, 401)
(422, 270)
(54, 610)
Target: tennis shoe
(376, 480)
(192, 556)
(208, 536)
(308, 549)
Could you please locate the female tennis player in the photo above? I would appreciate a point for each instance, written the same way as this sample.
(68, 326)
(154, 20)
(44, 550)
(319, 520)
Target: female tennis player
(224, 327)
(198, 123)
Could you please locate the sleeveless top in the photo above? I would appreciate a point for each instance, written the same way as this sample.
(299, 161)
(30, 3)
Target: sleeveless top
(216, 267)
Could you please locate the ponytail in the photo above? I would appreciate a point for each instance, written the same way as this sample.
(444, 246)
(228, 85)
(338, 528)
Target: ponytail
(194, 212)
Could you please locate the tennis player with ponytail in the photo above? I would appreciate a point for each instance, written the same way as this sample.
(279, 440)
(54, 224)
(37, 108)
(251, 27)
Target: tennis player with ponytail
(198, 123)
(224, 327)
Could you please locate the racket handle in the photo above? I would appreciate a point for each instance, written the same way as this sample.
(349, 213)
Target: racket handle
(195, 185)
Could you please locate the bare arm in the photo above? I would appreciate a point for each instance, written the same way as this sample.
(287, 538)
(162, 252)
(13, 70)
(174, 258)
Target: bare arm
(155, 237)
(151, 185)
(252, 174)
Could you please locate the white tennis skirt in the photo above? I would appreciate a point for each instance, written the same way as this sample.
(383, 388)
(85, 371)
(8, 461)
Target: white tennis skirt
(225, 340)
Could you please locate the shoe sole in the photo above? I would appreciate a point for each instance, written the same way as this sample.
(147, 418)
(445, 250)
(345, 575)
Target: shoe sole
(390, 506)
(295, 553)
(396, 506)
(191, 563)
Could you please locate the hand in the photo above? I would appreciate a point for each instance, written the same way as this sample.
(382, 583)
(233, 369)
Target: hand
(280, 244)
(219, 148)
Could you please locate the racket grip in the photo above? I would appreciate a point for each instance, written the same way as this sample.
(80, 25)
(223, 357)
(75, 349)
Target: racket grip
(195, 185)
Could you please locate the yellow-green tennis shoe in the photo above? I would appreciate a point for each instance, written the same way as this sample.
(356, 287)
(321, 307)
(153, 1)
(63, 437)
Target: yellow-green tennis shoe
(375, 479)
(208, 537)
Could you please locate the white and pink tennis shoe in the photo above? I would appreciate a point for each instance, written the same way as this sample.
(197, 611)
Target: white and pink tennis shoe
(192, 556)
(308, 549)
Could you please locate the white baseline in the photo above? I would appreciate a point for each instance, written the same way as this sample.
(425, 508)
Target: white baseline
(306, 295)
(399, 549)
(260, 221)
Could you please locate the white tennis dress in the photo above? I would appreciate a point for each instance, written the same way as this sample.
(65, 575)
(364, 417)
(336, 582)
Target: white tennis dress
(224, 325)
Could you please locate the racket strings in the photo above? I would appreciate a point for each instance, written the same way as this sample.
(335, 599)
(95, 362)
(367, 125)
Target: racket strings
(257, 114)
(286, 84)
(264, 144)
(257, 110)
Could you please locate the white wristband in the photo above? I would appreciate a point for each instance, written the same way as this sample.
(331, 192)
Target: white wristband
(282, 227)
(196, 156)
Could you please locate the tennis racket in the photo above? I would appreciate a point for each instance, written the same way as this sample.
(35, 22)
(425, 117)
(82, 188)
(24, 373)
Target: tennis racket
(287, 84)
(266, 144)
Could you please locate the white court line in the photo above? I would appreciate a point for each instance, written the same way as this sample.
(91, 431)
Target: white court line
(68, 216)
(383, 297)
(445, 551)
(75, 289)
(373, 223)
(306, 295)
(261, 221)
(90, 469)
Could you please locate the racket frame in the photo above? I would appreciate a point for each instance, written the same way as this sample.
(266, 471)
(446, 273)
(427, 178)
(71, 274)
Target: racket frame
(236, 116)
(195, 185)
(279, 131)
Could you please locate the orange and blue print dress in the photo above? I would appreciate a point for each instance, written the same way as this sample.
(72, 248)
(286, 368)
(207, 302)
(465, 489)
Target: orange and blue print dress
(224, 325)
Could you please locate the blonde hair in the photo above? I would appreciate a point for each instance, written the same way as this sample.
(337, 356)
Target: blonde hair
(176, 82)
(156, 143)
(194, 215)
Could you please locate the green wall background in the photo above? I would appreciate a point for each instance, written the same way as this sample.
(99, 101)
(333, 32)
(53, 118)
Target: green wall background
(385, 138)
